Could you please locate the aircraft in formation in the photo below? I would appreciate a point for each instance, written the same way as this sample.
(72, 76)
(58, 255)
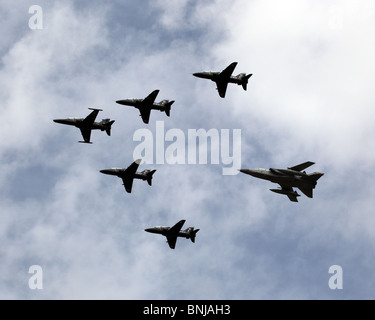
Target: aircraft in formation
(130, 173)
(147, 104)
(289, 178)
(171, 233)
(87, 124)
(224, 77)
(286, 178)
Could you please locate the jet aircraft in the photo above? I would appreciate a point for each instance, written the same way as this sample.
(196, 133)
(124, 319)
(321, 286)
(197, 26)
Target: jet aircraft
(173, 232)
(129, 174)
(87, 124)
(224, 77)
(147, 104)
(289, 178)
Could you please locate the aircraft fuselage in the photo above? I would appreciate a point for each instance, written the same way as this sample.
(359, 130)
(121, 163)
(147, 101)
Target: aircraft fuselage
(130, 102)
(165, 232)
(78, 122)
(285, 177)
(215, 76)
(120, 173)
(137, 103)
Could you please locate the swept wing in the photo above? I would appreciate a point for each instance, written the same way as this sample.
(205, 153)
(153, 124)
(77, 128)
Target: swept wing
(302, 166)
(146, 105)
(87, 124)
(86, 134)
(173, 232)
(128, 176)
(223, 79)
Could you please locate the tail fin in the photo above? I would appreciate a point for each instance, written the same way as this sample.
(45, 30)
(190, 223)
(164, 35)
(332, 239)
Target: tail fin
(108, 125)
(193, 234)
(168, 107)
(149, 177)
(308, 190)
(245, 80)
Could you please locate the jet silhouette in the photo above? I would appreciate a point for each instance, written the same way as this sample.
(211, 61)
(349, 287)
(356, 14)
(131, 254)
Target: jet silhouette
(87, 124)
(289, 178)
(224, 77)
(147, 104)
(129, 174)
(173, 232)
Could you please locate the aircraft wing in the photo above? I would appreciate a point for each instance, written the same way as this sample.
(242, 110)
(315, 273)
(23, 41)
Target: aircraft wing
(302, 166)
(87, 123)
(128, 175)
(145, 113)
(177, 227)
(146, 105)
(223, 79)
(172, 241)
(86, 134)
(227, 72)
(222, 87)
(128, 183)
(173, 232)
(89, 120)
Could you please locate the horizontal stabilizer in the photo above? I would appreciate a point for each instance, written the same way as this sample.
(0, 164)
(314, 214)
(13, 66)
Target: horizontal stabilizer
(245, 81)
(193, 234)
(85, 142)
(168, 107)
(149, 177)
(307, 191)
(108, 125)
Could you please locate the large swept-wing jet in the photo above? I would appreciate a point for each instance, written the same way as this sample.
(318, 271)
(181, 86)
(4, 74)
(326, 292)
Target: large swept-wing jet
(130, 173)
(87, 124)
(224, 77)
(173, 232)
(147, 104)
(289, 178)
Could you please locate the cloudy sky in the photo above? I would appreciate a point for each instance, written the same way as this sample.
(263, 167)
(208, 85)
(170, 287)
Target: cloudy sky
(310, 98)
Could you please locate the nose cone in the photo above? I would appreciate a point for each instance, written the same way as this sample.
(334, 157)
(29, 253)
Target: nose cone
(199, 74)
(151, 230)
(108, 171)
(66, 121)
